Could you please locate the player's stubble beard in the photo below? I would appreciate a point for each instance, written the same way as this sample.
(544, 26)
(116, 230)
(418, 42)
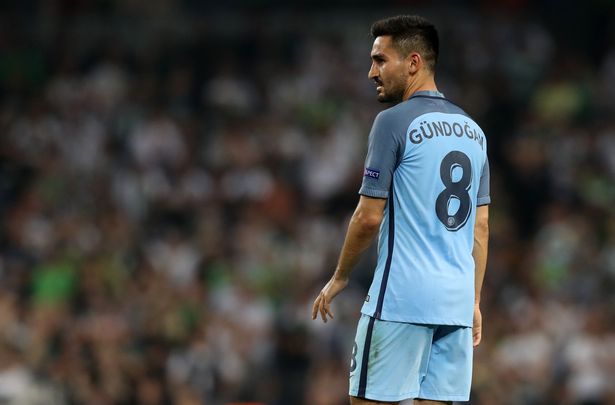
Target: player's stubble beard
(392, 92)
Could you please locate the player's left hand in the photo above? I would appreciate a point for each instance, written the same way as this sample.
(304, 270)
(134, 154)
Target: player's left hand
(323, 301)
(477, 328)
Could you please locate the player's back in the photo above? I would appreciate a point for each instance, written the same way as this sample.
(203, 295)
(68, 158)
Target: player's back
(425, 271)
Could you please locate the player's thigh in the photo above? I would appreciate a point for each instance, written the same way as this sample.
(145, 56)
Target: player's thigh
(449, 373)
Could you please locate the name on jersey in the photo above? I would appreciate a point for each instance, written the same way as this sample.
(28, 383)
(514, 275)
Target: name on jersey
(430, 129)
(373, 173)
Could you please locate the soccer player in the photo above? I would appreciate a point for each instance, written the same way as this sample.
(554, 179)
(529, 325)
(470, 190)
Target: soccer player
(425, 191)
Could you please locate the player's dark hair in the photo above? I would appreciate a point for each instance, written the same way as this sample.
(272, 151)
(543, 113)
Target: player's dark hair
(410, 33)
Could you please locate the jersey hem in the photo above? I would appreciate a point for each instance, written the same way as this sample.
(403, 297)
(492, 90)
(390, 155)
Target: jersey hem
(421, 321)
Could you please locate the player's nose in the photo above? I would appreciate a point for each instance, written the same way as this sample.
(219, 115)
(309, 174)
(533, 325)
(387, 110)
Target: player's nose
(373, 72)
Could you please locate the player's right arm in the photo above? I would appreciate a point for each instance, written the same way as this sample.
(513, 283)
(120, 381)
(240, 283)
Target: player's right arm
(383, 153)
(362, 230)
(479, 252)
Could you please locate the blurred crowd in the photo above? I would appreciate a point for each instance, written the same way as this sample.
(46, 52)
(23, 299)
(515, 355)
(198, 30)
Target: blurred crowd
(175, 183)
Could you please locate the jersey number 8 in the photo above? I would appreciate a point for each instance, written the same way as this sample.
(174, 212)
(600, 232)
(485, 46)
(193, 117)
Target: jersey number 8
(456, 191)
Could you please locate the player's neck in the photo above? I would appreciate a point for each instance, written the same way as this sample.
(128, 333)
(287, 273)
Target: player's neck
(427, 83)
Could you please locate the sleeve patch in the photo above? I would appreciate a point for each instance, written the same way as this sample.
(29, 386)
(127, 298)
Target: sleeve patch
(373, 173)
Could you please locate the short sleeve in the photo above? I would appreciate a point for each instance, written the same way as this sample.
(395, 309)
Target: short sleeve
(483, 197)
(384, 151)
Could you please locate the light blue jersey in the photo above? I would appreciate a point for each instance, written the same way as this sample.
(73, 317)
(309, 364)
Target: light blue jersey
(429, 159)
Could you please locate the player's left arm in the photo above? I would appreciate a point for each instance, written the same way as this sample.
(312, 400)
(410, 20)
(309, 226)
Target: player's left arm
(480, 249)
(362, 230)
(479, 252)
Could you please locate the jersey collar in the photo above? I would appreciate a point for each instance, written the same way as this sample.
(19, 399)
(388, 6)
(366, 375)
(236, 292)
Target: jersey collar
(429, 93)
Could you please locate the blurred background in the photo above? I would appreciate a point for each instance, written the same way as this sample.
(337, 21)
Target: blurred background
(176, 178)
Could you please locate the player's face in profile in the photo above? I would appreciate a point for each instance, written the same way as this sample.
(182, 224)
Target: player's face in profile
(388, 70)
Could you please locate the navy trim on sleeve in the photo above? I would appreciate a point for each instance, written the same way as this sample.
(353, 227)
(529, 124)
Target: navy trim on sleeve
(483, 201)
(483, 197)
(370, 192)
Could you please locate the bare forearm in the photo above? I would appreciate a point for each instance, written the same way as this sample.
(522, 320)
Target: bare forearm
(480, 261)
(363, 227)
(360, 234)
(480, 250)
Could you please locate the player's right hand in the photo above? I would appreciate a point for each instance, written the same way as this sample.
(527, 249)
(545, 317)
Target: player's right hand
(322, 303)
(477, 329)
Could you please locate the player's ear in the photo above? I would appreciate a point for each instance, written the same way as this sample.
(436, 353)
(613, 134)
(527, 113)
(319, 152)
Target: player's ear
(414, 62)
